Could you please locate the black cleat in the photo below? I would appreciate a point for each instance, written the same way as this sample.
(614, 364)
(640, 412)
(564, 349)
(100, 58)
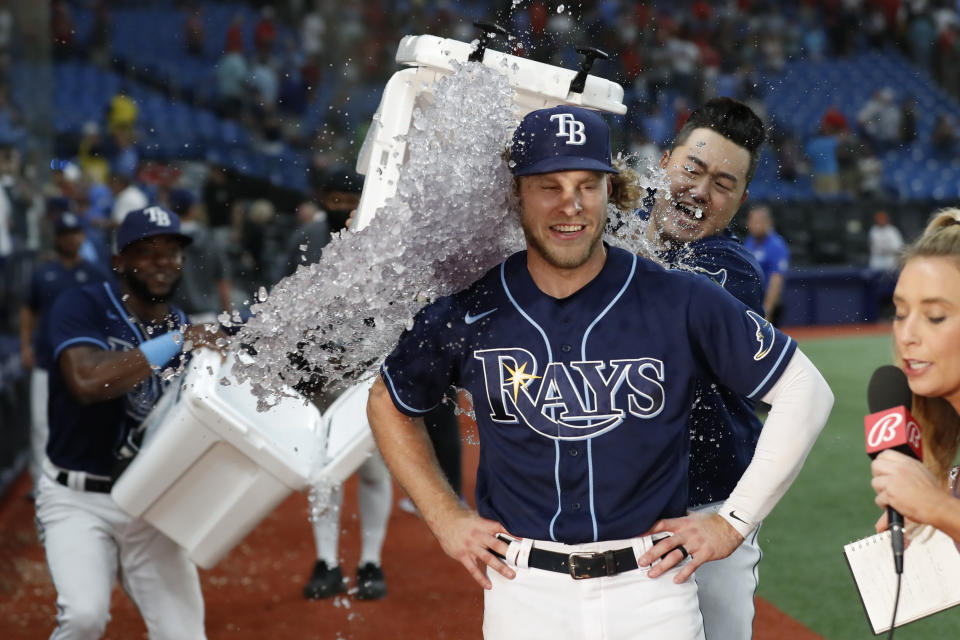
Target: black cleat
(324, 583)
(370, 582)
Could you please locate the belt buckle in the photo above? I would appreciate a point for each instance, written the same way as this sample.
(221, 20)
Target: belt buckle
(575, 571)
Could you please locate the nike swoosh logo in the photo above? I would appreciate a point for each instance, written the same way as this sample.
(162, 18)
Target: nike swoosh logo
(470, 319)
(733, 514)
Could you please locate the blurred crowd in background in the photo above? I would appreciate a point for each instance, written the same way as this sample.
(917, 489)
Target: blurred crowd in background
(237, 115)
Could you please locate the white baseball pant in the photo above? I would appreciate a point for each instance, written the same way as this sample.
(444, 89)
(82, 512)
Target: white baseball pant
(374, 499)
(727, 588)
(39, 430)
(546, 605)
(89, 541)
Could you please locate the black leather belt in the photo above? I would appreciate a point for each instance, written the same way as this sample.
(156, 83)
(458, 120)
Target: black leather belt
(582, 564)
(95, 485)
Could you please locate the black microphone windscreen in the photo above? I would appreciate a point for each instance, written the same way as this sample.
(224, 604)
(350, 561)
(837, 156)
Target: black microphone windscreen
(888, 388)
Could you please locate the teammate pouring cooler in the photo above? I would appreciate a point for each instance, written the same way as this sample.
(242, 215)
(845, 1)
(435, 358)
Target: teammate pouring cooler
(581, 360)
(111, 344)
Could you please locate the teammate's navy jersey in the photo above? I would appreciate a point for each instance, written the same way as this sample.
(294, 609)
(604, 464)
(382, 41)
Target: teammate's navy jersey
(723, 425)
(85, 437)
(583, 403)
(49, 280)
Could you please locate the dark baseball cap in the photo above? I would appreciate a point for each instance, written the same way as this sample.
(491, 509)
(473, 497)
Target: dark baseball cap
(144, 223)
(181, 200)
(66, 223)
(561, 138)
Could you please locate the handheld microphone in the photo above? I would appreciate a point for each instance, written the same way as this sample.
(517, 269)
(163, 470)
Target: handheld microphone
(890, 426)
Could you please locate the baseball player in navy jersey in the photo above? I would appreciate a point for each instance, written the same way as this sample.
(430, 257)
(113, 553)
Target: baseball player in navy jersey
(111, 344)
(68, 269)
(582, 360)
(710, 165)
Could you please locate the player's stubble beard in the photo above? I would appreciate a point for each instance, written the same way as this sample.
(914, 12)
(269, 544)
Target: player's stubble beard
(557, 259)
(140, 289)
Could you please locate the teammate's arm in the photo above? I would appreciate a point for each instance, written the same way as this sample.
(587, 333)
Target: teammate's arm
(27, 320)
(774, 291)
(407, 450)
(800, 403)
(93, 374)
(781, 262)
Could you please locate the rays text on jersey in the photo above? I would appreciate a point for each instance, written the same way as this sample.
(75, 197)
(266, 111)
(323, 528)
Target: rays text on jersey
(569, 400)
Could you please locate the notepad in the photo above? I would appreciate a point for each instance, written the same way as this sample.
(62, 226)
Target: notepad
(931, 577)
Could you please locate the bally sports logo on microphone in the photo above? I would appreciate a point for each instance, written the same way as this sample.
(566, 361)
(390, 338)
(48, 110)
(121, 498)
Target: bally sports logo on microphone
(893, 429)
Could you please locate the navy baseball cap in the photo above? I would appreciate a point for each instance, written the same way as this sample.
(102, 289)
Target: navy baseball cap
(561, 138)
(180, 201)
(66, 223)
(144, 223)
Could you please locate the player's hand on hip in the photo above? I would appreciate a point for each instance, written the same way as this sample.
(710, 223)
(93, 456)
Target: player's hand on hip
(702, 537)
(471, 540)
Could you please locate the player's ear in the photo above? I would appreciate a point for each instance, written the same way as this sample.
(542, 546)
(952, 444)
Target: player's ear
(665, 158)
(746, 192)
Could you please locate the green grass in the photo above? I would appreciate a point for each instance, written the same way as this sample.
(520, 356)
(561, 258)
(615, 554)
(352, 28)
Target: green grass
(803, 571)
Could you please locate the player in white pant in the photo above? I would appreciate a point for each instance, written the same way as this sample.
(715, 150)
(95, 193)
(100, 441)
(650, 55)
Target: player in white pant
(582, 361)
(89, 542)
(344, 416)
(49, 279)
(111, 345)
(374, 497)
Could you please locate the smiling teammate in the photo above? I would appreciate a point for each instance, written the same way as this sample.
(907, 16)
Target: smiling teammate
(710, 166)
(582, 360)
(111, 342)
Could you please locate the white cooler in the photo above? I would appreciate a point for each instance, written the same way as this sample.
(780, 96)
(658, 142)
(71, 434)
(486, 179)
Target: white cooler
(211, 466)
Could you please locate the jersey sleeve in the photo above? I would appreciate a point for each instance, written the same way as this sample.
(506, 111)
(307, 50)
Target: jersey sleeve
(733, 271)
(740, 349)
(77, 320)
(423, 364)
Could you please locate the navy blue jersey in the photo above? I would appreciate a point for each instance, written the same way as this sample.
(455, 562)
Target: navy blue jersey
(723, 425)
(86, 437)
(49, 280)
(583, 403)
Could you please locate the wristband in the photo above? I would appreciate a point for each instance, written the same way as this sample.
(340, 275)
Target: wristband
(159, 350)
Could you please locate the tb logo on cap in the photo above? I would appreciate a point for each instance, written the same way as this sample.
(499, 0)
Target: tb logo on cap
(158, 216)
(570, 127)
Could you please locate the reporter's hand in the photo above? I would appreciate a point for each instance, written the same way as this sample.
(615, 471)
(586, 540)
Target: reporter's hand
(469, 538)
(906, 485)
(706, 537)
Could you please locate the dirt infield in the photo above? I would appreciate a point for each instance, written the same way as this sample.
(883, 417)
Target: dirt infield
(254, 593)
